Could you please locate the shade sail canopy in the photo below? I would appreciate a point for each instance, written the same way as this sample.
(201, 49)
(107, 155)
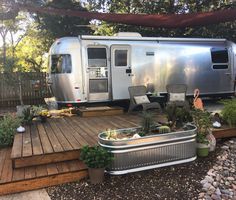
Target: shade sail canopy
(154, 20)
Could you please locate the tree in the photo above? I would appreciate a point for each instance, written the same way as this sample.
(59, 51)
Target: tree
(56, 26)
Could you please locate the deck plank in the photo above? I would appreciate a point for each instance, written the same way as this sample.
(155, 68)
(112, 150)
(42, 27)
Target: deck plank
(27, 146)
(86, 133)
(60, 136)
(7, 168)
(3, 154)
(75, 133)
(30, 172)
(64, 127)
(53, 139)
(18, 174)
(52, 169)
(47, 147)
(62, 167)
(41, 170)
(17, 146)
(36, 143)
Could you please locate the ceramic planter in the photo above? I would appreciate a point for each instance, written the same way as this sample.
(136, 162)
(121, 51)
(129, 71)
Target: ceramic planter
(202, 149)
(96, 175)
(150, 152)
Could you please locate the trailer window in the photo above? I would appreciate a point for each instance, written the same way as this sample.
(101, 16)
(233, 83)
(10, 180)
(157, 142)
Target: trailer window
(97, 53)
(121, 58)
(219, 55)
(61, 64)
(97, 57)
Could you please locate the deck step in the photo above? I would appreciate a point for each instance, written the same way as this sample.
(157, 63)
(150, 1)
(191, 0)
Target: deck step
(100, 111)
(31, 178)
(224, 132)
(18, 162)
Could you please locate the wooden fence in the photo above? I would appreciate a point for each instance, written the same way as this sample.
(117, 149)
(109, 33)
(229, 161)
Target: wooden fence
(34, 88)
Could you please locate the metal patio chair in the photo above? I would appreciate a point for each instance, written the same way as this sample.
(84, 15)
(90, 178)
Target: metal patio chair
(136, 92)
(177, 95)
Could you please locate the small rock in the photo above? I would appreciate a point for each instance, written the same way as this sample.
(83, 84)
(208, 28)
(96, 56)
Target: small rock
(215, 197)
(230, 178)
(215, 184)
(210, 174)
(203, 181)
(227, 183)
(225, 192)
(206, 186)
(224, 196)
(201, 195)
(209, 179)
(218, 192)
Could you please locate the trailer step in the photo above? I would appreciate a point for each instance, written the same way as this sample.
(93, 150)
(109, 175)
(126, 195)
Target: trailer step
(100, 111)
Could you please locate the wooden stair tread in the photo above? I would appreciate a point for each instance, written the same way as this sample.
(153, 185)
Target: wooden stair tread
(100, 111)
(30, 178)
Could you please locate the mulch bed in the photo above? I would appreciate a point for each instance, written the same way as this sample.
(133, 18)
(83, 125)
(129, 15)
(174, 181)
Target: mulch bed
(174, 182)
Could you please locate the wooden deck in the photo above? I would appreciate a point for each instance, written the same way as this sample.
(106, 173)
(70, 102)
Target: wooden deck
(47, 153)
(61, 138)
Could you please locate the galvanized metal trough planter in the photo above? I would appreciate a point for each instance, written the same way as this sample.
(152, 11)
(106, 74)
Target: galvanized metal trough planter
(148, 152)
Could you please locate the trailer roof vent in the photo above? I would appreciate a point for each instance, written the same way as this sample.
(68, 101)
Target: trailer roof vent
(128, 34)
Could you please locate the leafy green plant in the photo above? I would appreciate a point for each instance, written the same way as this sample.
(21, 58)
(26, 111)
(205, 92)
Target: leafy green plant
(28, 115)
(178, 115)
(96, 156)
(229, 111)
(203, 123)
(8, 126)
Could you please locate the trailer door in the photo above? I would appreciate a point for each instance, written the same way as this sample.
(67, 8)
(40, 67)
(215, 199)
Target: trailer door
(121, 71)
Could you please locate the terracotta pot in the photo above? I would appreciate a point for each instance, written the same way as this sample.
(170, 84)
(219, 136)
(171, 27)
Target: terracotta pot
(202, 150)
(96, 175)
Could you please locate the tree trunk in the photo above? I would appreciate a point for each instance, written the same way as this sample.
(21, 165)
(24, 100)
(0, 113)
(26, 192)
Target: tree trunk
(20, 89)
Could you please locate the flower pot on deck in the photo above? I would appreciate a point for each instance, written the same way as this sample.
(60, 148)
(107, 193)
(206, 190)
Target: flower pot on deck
(96, 175)
(202, 150)
(43, 119)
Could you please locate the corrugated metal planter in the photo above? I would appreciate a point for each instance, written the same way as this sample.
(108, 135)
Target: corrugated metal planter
(132, 155)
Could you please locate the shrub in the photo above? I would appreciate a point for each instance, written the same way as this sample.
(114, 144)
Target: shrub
(203, 123)
(96, 156)
(229, 111)
(8, 126)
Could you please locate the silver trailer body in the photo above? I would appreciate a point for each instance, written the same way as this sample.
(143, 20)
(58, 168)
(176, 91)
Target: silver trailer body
(101, 68)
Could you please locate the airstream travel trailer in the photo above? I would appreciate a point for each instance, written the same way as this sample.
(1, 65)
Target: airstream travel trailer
(101, 68)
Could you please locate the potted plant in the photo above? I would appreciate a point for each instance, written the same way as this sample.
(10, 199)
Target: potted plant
(202, 121)
(97, 159)
(229, 112)
(43, 115)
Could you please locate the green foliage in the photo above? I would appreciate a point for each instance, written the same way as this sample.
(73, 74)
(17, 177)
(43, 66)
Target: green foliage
(178, 115)
(147, 122)
(96, 156)
(229, 111)
(164, 129)
(57, 26)
(203, 123)
(28, 115)
(8, 126)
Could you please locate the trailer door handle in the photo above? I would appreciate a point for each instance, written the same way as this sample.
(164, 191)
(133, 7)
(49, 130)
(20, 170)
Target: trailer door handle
(128, 71)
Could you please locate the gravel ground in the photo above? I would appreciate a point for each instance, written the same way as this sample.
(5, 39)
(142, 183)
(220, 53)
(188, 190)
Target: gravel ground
(220, 181)
(185, 181)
